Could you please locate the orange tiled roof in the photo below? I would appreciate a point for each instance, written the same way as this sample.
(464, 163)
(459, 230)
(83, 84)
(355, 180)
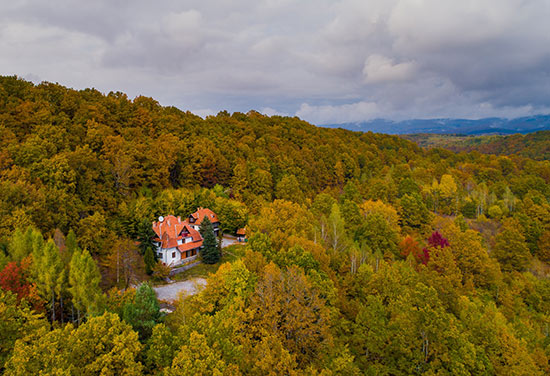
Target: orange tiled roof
(199, 215)
(188, 246)
(172, 229)
(241, 231)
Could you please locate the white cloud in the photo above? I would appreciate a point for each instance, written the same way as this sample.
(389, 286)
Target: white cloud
(328, 61)
(271, 112)
(204, 112)
(184, 28)
(334, 114)
(380, 69)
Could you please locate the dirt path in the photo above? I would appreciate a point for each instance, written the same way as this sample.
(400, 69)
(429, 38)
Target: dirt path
(170, 292)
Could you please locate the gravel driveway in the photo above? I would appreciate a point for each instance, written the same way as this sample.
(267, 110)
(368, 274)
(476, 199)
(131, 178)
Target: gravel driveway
(228, 240)
(170, 292)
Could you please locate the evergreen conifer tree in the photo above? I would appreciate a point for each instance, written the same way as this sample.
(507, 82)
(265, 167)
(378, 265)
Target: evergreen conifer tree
(210, 253)
(144, 312)
(71, 242)
(149, 260)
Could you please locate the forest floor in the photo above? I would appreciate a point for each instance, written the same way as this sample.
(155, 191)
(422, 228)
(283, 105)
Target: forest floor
(230, 254)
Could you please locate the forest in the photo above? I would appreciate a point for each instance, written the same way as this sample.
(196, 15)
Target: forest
(366, 254)
(534, 145)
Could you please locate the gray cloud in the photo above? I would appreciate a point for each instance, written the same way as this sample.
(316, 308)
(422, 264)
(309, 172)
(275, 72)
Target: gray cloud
(326, 61)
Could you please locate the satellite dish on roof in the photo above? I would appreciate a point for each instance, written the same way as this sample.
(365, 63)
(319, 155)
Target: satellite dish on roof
(161, 218)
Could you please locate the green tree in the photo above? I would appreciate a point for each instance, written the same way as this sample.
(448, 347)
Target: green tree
(144, 312)
(22, 243)
(543, 252)
(336, 230)
(376, 233)
(71, 243)
(49, 274)
(161, 347)
(84, 280)
(149, 260)
(198, 358)
(92, 233)
(16, 321)
(289, 189)
(510, 247)
(495, 212)
(210, 253)
(413, 213)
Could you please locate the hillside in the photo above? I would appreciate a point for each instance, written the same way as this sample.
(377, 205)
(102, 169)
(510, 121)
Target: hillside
(453, 126)
(366, 254)
(532, 145)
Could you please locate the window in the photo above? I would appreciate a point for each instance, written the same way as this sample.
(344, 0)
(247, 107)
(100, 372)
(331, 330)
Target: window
(194, 252)
(173, 254)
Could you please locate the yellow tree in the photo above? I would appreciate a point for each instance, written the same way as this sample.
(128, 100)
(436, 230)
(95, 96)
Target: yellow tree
(448, 192)
(287, 306)
(200, 359)
(104, 345)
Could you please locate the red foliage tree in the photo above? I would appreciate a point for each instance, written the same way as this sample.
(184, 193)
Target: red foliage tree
(14, 278)
(409, 246)
(435, 240)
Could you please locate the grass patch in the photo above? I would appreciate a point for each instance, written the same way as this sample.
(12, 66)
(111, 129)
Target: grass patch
(230, 254)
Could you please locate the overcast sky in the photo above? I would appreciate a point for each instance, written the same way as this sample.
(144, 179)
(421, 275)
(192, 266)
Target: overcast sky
(325, 61)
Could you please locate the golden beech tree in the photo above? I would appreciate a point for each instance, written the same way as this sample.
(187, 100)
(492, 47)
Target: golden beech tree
(286, 305)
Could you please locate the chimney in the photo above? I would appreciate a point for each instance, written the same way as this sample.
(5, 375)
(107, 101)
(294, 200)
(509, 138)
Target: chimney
(179, 219)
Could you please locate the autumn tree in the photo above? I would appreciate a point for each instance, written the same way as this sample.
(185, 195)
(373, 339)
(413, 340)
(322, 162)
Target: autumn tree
(17, 321)
(199, 358)
(103, 345)
(23, 243)
(161, 347)
(436, 240)
(409, 246)
(124, 264)
(336, 231)
(16, 278)
(287, 306)
(378, 234)
(289, 189)
(510, 248)
(544, 247)
(93, 234)
(413, 212)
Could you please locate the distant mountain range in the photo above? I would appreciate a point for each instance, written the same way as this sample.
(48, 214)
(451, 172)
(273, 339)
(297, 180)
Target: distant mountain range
(452, 126)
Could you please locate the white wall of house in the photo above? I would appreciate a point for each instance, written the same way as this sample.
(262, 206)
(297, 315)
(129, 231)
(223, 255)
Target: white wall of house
(170, 256)
(165, 255)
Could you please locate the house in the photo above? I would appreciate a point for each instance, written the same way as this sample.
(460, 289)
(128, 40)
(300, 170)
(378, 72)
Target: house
(197, 217)
(241, 235)
(176, 240)
(179, 241)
